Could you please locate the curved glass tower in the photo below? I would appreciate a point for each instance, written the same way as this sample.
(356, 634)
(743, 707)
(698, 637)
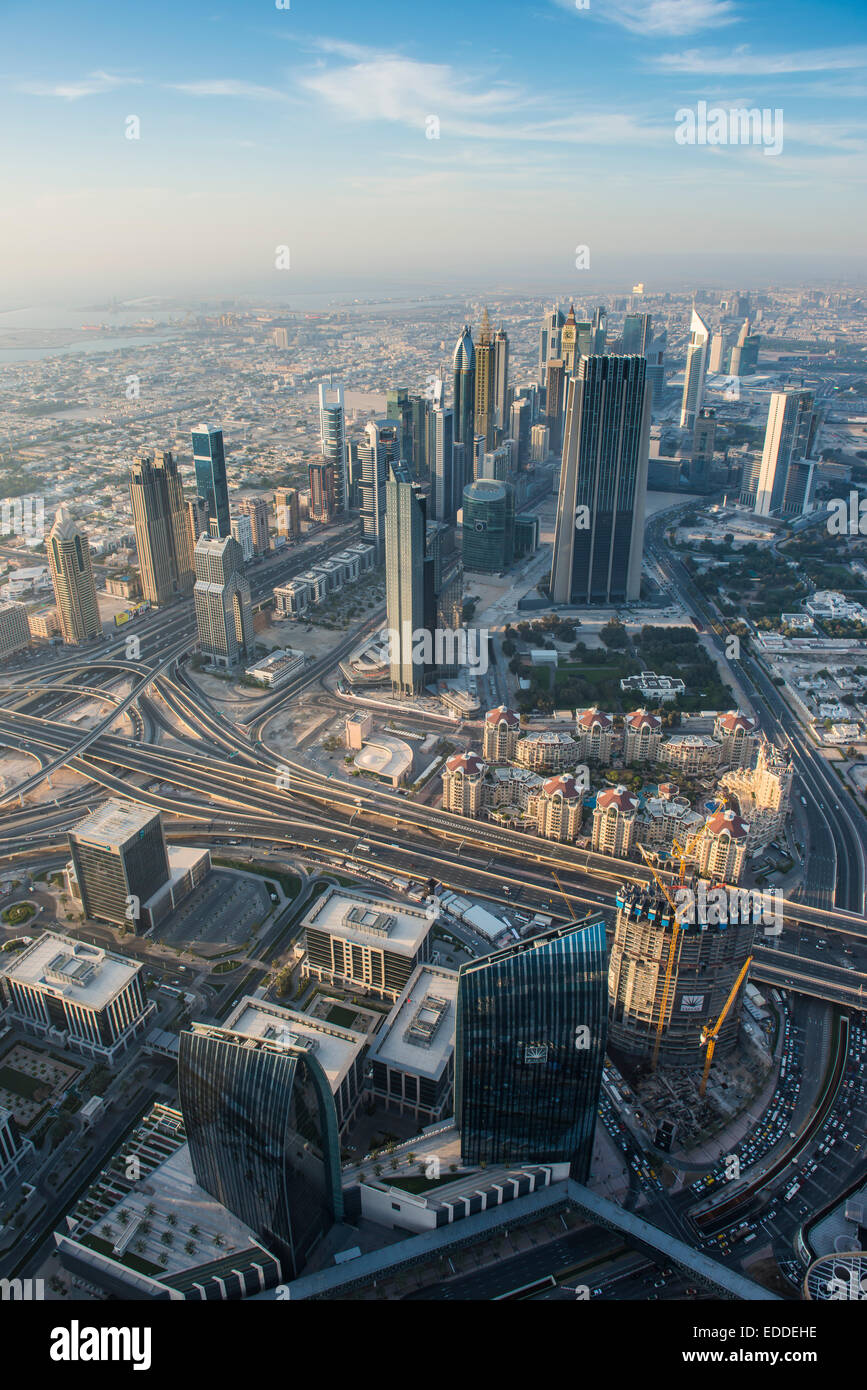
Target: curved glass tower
(464, 393)
(531, 1029)
(262, 1129)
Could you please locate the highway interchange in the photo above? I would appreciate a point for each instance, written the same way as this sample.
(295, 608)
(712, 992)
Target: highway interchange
(220, 780)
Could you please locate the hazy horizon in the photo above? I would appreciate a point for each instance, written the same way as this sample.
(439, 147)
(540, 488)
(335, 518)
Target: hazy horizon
(258, 128)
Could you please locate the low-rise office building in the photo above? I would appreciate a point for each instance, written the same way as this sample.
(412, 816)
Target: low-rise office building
(412, 1056)
(76, 996)
(360, 941)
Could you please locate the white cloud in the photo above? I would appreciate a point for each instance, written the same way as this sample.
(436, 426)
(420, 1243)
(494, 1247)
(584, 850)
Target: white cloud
(229, 87)
(389, 87)
(92, 85)
(659, 16)
(742, 62)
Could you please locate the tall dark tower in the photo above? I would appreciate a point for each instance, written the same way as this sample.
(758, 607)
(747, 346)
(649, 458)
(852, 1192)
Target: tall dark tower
(599, 535)
(502, 395)
(464, 397)
(529, 1048)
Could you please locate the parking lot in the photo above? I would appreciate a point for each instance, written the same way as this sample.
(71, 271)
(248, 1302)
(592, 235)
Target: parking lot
(223, 911)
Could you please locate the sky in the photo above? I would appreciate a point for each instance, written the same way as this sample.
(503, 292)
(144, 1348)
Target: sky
(422, 146)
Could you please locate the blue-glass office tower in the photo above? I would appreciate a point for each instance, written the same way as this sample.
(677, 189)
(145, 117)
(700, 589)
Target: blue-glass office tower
(210, 464)
(531, 1030)
(262, 1130)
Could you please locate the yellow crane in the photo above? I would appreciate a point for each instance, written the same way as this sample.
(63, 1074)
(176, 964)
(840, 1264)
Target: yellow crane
(563, 893)
(709, 1035)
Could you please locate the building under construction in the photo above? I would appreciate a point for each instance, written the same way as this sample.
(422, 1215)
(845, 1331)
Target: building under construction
(705, 961)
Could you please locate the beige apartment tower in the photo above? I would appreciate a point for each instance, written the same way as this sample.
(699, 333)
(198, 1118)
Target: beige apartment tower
(72, 577)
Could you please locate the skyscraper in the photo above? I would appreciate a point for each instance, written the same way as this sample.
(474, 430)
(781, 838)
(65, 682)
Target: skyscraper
(555, 401)
(488, 532)
(332, 436)
(530, 1044)
(405, 539)
(642, 996)
(464, 394)
(789, 438)
(696, 367)
(701, 457)
(569, 346)
(224, 615)
(549, 341)
(210, 464)
(119, 854)
(256, 508)
(288, 512)
(599, 534)
(72, 577)
(502, 395)
(162, 532)
(637, 334)
(442, 464)
(484, 404)
(600, 327)
(745, 353)
(382, 448)
(261, 1126)
(323, 489)
(197, 519)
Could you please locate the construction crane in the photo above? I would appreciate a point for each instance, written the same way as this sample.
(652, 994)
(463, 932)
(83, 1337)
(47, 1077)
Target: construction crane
(563, 894)
(709, 1035)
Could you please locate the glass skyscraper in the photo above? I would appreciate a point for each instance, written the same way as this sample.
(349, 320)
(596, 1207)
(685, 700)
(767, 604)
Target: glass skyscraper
(464, 388)
(599, 535)
(262, 1129)
(530, 1044)
(488, 532)
(210, 463)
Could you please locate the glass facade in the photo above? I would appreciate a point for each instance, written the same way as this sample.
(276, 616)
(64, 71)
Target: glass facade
(488, 533)
(530, 1044)
(262, 1129)
(603, 482)
(210, 463)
